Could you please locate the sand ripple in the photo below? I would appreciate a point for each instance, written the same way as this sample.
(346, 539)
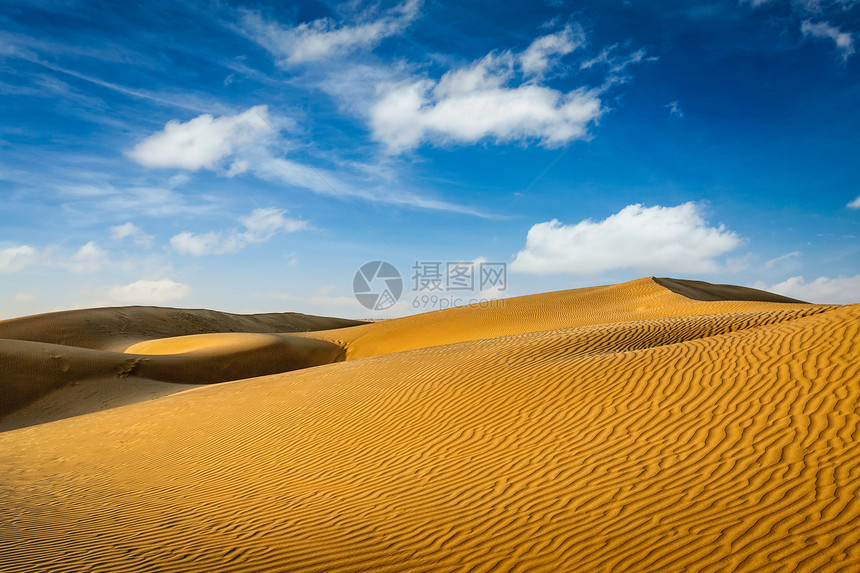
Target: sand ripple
(711, 441)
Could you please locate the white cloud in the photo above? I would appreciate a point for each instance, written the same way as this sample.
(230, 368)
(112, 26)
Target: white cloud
(476, 102)
(260, 226)
(675, 109)
(843, 40)
(263, 224)
(820, 6)
(379, 187)
(13, 259)
(24, 297)
(537, 58)
(203, 141)
(648, 239)
(855, 204)
(324, 38)
(149, 292)
(120, 202)
(188, 243)
(786, 256)
(132, 231)
(808, 6)
(89, 258)
(839, 290)
(242, 141)
(616, 64)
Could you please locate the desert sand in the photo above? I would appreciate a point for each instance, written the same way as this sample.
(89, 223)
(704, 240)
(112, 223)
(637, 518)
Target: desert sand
(655, 425)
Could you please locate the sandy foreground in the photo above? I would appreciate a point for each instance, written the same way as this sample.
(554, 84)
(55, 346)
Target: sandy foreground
(655, 425)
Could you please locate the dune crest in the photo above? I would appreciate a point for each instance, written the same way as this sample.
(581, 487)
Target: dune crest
(655, 433)
(700, 290)
(641, 299)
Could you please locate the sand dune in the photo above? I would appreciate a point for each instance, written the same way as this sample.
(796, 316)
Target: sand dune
(635, 300)
(620, 428)
(88, 349)
(115, 328)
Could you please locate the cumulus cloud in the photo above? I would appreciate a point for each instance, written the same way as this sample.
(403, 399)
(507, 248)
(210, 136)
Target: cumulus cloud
(149, 292)
(647, 239)
(202, 142)
(132, 231)
(260, 226)
(843, 40)
(13, 259)
(89, 258)
(855, 204)
(839, 290)
(481, 100)
(324, 38)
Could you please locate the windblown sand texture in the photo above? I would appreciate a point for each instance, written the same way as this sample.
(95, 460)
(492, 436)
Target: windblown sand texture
(633, 427)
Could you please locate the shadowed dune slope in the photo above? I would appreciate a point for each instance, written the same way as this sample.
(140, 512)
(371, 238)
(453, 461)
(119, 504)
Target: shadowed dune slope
(700, 290)
(72, 357)
(707, 441)
(118, 327)
(640, 299)
(33, 369)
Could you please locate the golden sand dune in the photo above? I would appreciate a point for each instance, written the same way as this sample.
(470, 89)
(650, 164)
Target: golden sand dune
(671, 435)
(635, 300)
(116, 328)
(74, 362)
(32, 370)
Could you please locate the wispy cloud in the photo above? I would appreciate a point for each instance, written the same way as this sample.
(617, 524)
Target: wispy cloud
(14, 259)
(647, 239)
(843, 40)
(148, 292)
(545, 51)
(44, 54)
(855, 204)
(770, 264)
(675, 109)
(824, 290)
(259, 226)
(131, 231)
(615, 64)
(93, 201)
(755, 3)
(324, 38)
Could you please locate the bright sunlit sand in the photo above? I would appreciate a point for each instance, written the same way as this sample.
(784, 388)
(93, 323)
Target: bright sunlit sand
(654, 425)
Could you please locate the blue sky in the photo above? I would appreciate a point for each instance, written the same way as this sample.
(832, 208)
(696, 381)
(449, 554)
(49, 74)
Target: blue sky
(250, 157)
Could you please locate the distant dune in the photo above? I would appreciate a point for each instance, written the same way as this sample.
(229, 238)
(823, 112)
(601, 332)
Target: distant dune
(655, 425)
(84, 353)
